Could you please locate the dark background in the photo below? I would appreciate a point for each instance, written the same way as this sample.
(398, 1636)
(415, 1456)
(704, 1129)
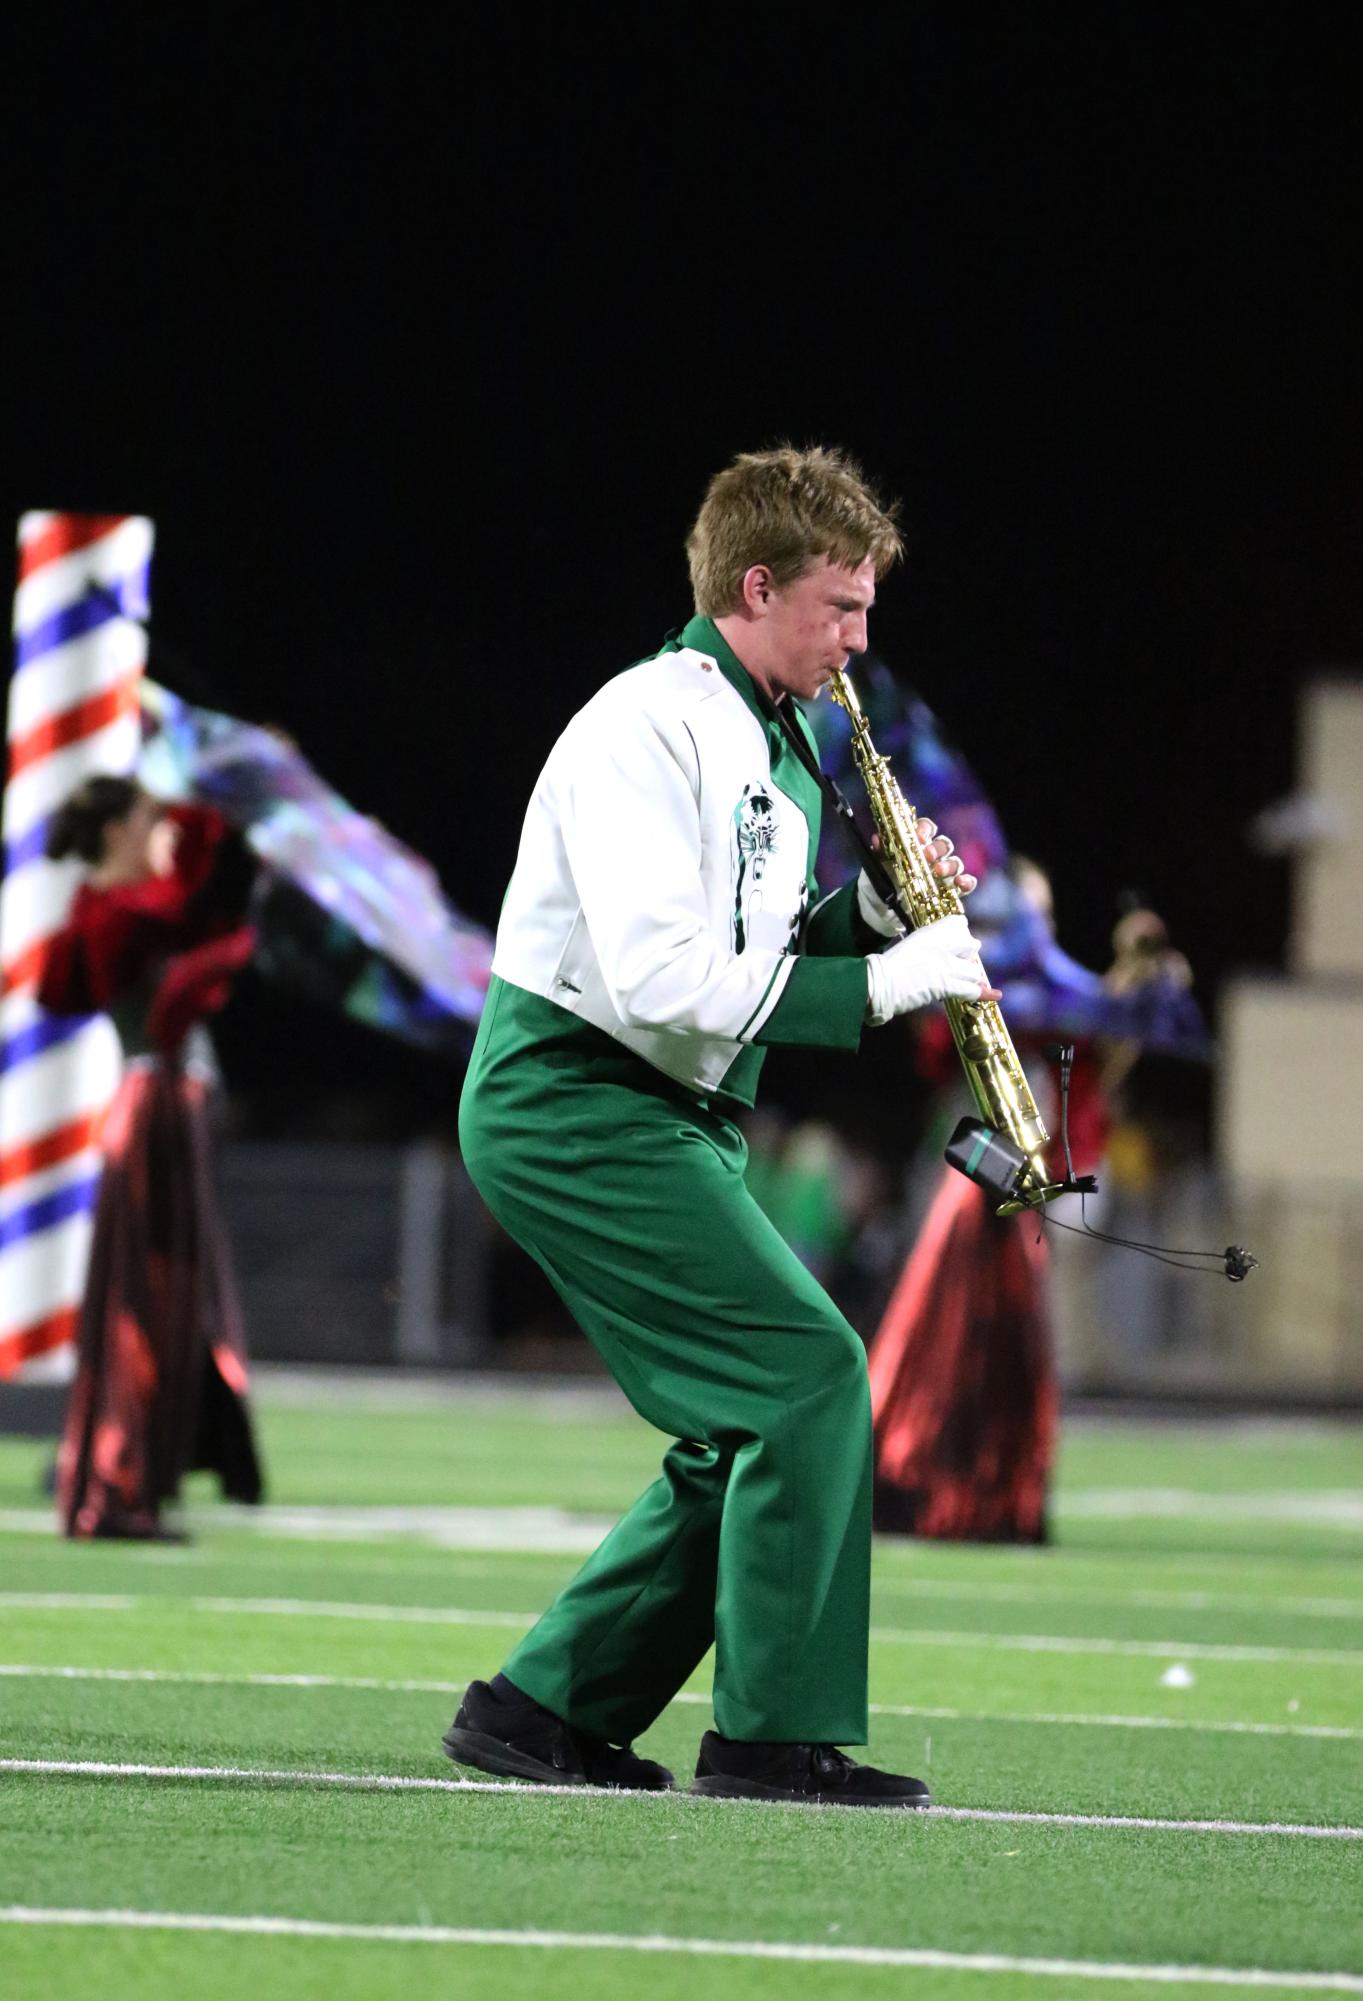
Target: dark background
(420, 343)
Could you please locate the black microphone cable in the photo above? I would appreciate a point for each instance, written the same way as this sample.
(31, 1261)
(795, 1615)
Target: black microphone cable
(1234, 1263)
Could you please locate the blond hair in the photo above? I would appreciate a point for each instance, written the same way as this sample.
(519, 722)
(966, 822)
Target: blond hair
(785, 508)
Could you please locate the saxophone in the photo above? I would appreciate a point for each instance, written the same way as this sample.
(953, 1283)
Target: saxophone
(997, 1084)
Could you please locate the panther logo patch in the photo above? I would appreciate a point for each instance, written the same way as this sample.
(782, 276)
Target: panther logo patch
(755, 840)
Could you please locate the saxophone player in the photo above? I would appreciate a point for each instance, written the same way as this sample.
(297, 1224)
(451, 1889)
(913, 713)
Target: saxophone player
(661, 930)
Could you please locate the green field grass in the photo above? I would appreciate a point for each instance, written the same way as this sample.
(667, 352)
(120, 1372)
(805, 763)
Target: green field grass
(290, 1673)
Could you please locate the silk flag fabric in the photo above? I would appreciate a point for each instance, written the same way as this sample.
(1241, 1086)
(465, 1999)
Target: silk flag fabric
(1047, 993)
(344, 911)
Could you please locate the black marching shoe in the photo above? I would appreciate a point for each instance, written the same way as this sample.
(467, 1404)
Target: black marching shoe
(501, 1729)
(800, 1774)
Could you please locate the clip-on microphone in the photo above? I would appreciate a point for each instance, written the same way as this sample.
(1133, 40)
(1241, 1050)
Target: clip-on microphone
(991, 1160)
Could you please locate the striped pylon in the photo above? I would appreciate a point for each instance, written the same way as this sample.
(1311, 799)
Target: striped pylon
(79, 652)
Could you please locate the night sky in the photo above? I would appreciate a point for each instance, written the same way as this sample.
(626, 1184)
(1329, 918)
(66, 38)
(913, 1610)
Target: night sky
(420, 345)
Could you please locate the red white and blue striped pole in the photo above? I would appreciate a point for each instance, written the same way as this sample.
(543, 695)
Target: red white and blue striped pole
(79, 652)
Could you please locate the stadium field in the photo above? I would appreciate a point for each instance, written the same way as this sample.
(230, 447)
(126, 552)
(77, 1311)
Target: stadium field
(220, 1769)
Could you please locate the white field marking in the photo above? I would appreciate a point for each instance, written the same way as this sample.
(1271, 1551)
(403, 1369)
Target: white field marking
(319, 1386)
(1077, 1720)
(454, 1615)
(66, 1601)
(1056, 1643)
(536, 1531)
(1165, 1601)
(554, 1532)
(418, 1391)
(284, 1608)
(488, 1532)
(703, 1948)
(384, 1782)
(21, 1671)
(1338, 1508)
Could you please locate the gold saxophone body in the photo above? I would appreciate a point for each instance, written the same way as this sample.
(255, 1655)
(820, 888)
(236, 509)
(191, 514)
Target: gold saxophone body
(1001, 1092)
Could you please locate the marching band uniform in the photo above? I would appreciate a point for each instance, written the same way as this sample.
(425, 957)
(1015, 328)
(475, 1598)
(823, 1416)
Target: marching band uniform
(660, 932)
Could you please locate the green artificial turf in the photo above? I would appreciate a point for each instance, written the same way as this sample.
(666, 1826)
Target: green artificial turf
(984, 1660)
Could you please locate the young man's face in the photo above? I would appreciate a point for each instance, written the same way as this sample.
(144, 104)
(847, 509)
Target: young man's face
(811, 626)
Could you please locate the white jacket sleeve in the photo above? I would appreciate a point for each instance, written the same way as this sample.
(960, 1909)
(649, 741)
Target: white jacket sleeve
(631, 830)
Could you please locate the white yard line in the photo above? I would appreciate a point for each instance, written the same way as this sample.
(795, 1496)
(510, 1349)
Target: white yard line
(386, 1782)
(71, 1601)
(283, 1608)
(1159, 1601)
(20, 1671)
(704, 1948)
(1059, 1643)
(319, 1386)
(452, 1615)
(1339, 1508)
(541, 1531)
(553, 1532)
(549, 1529)
(314, 1387)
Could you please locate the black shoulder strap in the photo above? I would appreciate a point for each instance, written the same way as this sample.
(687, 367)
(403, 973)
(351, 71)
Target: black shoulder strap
(881, 879)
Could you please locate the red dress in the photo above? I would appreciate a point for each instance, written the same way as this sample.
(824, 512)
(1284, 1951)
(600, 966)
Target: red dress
(963, 1390)
(964, 1398)
(161, 1359)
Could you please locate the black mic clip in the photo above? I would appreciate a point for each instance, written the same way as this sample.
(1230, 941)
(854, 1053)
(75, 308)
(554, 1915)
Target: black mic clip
(1239, 1262)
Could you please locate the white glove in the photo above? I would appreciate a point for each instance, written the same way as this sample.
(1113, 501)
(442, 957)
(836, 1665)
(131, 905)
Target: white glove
(876, 911)
(929, 965)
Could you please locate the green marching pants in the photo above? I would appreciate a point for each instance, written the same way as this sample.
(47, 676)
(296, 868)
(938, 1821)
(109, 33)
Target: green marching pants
(757, 1537)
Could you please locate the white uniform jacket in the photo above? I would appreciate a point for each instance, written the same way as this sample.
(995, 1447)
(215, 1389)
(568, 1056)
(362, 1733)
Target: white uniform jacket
(664, 878)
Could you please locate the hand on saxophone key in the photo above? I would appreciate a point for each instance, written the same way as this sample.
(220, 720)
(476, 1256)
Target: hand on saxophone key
(946, 863)
(939, 962)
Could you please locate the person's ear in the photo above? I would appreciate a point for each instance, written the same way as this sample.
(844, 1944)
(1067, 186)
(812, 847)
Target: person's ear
(758, 586)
